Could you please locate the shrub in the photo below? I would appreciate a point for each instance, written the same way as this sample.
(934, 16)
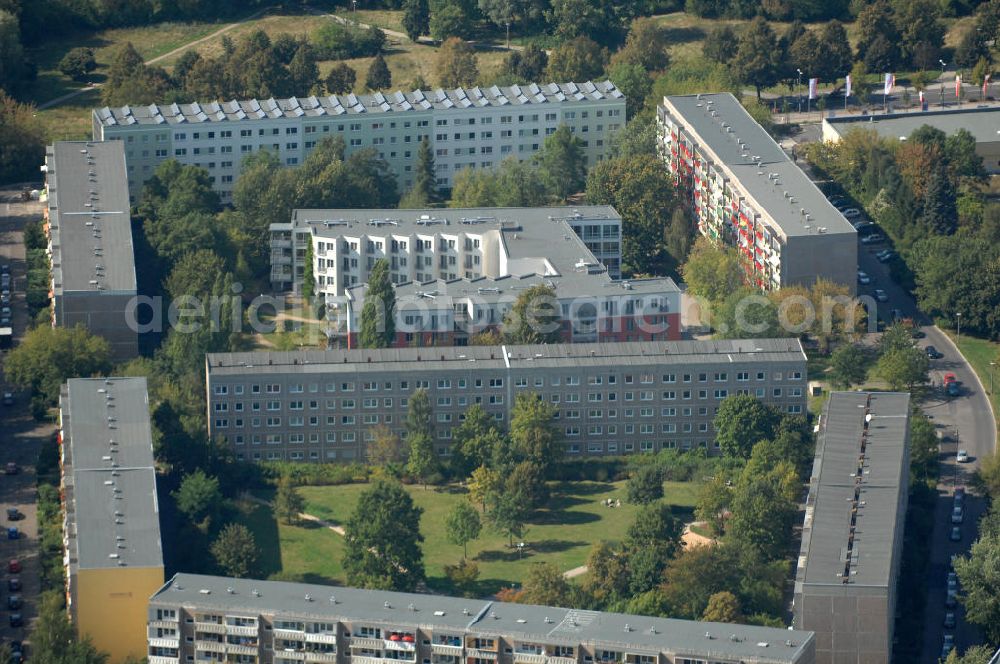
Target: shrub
(337, 41)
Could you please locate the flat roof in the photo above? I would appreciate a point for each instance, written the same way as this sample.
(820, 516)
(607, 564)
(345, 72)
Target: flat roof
(89, 219)
(351, 104)
(719, 123)
(982, 123)
(836, 490)
(635, 354)
(109, 473)
(520, 621)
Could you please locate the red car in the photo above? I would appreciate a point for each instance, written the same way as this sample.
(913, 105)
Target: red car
(950, 378)
(14, 566)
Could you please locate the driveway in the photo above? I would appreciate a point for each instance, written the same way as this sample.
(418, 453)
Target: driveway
(21, 437)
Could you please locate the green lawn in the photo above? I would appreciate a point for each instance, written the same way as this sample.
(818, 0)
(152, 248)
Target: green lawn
(979, 353)
(561, 534)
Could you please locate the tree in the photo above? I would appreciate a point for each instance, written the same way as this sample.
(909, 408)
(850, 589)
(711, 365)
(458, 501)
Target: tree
(608, 578)
(462, 525)
(472, 441)
(741, 422)
(712, 272)
(906, 367)
(483, 484)
(385, 447)
(720, 44)
(758, 60)
(987, 476)
(378, 313)
(13, 69)
(562, 163)
(837, 50)
(48, 356)
(341, 79)
(54, 639)
(303, 71)
(462, 575)
(235, 551)
(419, 415)
(78, 62)
(979, 575)
(878, 37)
(199, 497)
(424, 190)
(527, 481)
(939, 210)
(508, 513)
(416, 18)
(647, 45)
(714, 499)
(640, 188)
(848, 365)
(545, 585)
(288, 502)
(645, 485)
(527, 65)
(895, 337)
(382, 540)
(651, 541)
(973, 655)
(22, 140)
(763, 514)
(379, 77)
(457, 64)
(923, 447)
(604, 20)
(533, 433)
(723, 607)
(422, 461)
(579, 59)
(687, 588)
(631, 78)
(449, 20)
(534, 318)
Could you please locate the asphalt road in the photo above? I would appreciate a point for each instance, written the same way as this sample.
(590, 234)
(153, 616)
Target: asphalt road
(963, 422)
(20, 436)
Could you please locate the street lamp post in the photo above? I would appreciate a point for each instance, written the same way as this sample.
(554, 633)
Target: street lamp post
(507, 23)
(799, 87)
(992, 366)
(958, 316)
(943, 67)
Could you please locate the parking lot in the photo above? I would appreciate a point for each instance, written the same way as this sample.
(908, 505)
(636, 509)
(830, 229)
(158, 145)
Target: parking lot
(20, 438)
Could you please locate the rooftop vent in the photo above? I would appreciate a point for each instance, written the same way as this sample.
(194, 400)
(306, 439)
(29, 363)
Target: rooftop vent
(205, 591)
(255, 592)
(308, 598)
(230, 590)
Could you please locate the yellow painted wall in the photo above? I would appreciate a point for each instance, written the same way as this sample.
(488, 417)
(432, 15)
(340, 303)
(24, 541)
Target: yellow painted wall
(111, 607)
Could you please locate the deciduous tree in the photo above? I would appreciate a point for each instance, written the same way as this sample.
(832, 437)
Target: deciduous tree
(78, 62)
(741, 422)
(758, 60)
(235, 551)
(383, 538)
(545, 585)
(579, 59)
(712, 272)
(416, 18)
(457, 64)
(848, 365)
(534, 318)
(533, 432)
(341, 79)
(645, 485)
(723, 607)
(462, 525)
(47, 356)
(199, 497)
(979, 574)
(562, 163)
(288, 502)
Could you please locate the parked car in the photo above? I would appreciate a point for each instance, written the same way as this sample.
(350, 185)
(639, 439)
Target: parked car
(14, 566)
(962, 457)
(873, 238)
(881, 295)
(933, 353)
(953, 389)
(14, 584)
(948, 646)
(863, 278)
(13, 514)
(950, 378)
(956, 534)
(957, 514)
(950, 600)
(959, 494)
(14, 602)
(949, 620)
(953, 581)
(11, 468)
(8, 398)
(16, 620)
(850, 213)
(4, 269)
(885, 255)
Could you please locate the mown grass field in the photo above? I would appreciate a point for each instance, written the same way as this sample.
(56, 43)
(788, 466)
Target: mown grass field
(561, 534)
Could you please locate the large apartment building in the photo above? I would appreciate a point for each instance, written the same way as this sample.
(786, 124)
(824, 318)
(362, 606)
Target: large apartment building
(203, 618)
(746, 193)
(852, 539)
(90, 241)
(616, 398)
(111, 526)
(466, 127)
(982, 123)
(458, 271)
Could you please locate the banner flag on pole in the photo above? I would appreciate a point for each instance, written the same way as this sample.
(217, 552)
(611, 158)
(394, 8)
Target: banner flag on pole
(921, 97)
(812, 87)
(958, 85)
(986, 82)
(890, 81)
(847, 86)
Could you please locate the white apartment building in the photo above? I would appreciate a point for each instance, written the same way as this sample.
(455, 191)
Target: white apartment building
(467, 127)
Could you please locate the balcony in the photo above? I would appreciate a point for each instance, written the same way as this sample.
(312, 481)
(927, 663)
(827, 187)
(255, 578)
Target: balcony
(321, 656)
(399, 645)
(167, 624)
(292, 655)
(281, 244)
(210, 646)
(529, 658)
(365, 659)
(237, 649)
(156, 659)
(481, 654)
(211, 628)
(562, 660)
(442, 649)
(157, 642)
(242, 630)
(290, 634)
(321, 637)
(366, 642)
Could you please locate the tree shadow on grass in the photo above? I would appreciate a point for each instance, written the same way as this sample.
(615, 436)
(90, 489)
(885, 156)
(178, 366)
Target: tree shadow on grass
(685, 34)
(261, 522)
(563, 518)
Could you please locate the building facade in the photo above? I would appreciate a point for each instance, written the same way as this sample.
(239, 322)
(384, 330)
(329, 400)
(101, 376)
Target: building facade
(89, 231)
(203, 618)
(852, 538)
(457, 272)
(466, 127)
(746, 193)
(111, 527)
(610, 399)
(982, 123)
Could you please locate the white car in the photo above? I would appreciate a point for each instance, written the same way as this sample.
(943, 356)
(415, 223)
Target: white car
(963, 456)
(863, 278)
(850, 213)
(881, 295)
(957, 514)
